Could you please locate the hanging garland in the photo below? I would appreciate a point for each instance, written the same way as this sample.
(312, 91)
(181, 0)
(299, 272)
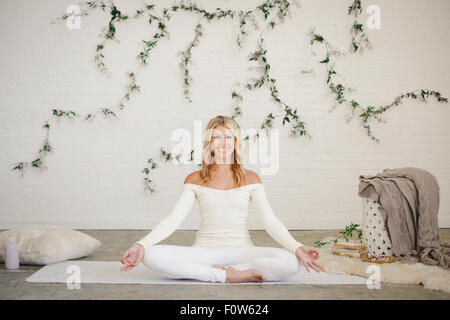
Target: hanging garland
(338, 89)
(152, 165)
(186, 60)
(357, 30)
(298, 127)
(280, 7)
(269, 8)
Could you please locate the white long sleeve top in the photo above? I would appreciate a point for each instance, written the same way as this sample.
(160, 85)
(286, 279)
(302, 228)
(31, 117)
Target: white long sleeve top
(223, 217)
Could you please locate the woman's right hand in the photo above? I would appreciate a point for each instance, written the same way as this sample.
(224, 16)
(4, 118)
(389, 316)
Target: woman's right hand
(132, 257)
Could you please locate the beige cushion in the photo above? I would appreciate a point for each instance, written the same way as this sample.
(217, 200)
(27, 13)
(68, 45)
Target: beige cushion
(44, 244)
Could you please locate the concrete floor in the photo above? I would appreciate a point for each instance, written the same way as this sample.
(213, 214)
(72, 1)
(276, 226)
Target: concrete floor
(115, 242)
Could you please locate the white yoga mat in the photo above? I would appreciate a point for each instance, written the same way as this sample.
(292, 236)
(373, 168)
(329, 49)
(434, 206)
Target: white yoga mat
(109, 272)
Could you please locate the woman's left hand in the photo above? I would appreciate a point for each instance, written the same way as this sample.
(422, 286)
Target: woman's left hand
(307, 255)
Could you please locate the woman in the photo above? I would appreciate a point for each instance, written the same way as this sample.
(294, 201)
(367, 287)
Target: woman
(223, 250)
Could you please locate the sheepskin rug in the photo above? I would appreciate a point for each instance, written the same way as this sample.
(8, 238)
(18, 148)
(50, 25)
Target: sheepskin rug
(431, 277)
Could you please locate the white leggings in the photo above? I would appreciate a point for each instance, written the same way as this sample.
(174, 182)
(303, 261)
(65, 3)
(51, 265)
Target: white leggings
(195, 262)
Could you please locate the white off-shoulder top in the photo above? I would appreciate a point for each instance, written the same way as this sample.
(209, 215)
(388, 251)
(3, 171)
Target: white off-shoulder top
(223, 217)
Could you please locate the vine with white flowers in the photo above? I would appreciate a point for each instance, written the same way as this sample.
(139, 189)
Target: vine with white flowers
(272, 13)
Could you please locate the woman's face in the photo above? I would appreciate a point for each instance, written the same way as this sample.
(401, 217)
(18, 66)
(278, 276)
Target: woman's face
(222, 144)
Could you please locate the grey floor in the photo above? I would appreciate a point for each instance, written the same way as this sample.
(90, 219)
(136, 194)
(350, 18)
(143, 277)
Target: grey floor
(115, 242)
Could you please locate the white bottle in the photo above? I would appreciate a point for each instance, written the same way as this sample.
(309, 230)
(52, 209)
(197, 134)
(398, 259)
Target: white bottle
(11, 254)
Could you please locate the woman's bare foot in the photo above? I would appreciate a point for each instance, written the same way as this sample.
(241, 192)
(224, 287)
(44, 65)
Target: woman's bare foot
(251, 275)
(218, 266)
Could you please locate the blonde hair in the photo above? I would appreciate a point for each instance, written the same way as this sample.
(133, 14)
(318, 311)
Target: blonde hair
(238, 152)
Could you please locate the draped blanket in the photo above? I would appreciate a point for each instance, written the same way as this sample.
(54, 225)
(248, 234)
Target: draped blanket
(409, 199)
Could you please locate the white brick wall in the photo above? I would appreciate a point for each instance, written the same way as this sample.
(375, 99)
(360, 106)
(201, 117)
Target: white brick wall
(94, 178)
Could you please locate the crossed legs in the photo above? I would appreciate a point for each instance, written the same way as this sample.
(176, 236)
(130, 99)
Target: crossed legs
(196, 262)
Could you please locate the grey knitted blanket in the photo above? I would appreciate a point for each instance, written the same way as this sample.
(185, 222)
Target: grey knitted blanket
(409, 199)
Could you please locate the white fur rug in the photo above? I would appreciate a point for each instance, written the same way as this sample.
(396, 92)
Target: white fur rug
(432, 277)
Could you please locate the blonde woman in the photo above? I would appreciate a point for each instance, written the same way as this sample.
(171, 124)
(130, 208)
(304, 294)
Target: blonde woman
(222, 250)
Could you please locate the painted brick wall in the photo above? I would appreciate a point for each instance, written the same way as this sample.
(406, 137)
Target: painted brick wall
(93, 179)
